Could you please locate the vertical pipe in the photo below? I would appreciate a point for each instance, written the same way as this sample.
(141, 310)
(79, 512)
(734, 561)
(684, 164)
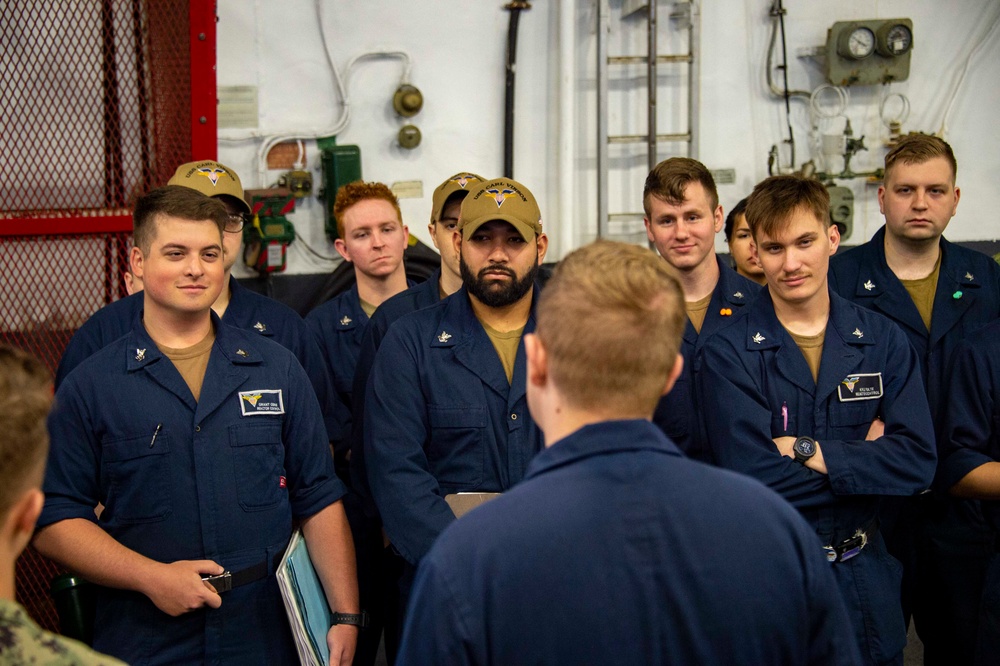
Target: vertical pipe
(569, 233)
(651, 80)
(694, 80)
(515, 9)
(603, 21)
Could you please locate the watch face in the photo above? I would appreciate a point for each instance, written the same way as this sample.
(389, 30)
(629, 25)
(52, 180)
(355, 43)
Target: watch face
(805, 446)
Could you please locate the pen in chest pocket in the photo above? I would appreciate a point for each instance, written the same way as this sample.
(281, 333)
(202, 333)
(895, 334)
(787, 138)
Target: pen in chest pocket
(784, 416)
(155, 433)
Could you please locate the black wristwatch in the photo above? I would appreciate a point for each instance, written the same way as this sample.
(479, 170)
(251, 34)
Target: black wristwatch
(357, 619)
(804, 448)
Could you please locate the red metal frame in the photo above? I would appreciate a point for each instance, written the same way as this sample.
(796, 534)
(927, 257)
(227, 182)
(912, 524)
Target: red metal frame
(58, 226)
(204, 106)
(204, 134)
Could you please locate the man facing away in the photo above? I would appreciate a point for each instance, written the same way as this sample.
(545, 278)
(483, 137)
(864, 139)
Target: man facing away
(25, 397)
(445, 409)
(683, 216)
(203, 442)
(822, 400)
(615, 548)
(937, 293)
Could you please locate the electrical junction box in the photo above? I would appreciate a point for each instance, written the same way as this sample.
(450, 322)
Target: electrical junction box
(869, 52)
(269, 232)
(341, 165)
(842, 209)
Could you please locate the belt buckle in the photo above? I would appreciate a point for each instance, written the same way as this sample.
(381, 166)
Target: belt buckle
(222, 583)
(848, 548)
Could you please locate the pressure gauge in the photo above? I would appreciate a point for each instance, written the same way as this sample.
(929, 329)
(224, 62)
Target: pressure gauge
(856, 43)
(894, 39)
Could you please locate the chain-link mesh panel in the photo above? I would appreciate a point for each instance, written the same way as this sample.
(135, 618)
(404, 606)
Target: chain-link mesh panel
(95, 111)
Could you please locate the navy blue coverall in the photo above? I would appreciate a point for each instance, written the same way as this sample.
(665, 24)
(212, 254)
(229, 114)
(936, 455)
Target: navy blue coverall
(677, 412)
(615, 549)
(441, 418)
(247, 310)
(761, 388)
(970, 438)
(943, 541)
(222, 478)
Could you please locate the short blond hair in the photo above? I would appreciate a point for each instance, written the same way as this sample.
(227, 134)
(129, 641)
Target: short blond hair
(611, 319)
(25, 399)
(917, 149)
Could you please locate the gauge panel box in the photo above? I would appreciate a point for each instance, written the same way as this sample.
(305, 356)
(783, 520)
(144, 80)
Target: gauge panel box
(869, 52)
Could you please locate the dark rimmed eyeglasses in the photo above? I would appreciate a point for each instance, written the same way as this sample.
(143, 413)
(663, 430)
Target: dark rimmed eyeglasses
(235, 222)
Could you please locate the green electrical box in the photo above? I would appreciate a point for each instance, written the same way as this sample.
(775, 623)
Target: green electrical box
(341, 165)
(269, 232)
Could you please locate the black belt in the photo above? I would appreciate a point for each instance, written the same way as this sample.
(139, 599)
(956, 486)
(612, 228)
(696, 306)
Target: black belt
(229, 580)
(851, 546)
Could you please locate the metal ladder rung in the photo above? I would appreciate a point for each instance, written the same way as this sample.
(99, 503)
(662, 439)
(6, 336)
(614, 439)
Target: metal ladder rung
(641, 138)
(636, 60)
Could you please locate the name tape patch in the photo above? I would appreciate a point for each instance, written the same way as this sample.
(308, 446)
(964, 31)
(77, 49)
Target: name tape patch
(265, 401)
(862, 386)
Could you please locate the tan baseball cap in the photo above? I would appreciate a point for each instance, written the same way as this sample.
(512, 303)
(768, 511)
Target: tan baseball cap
(211, 179)
(460, 182)
(501, 199)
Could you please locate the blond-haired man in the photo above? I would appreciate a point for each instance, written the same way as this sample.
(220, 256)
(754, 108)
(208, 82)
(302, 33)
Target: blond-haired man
(615, 548)
(937, 293)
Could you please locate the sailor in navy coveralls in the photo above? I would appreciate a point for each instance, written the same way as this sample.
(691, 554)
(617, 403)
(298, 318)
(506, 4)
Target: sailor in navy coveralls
(938, 293)
(203, 443)
(683, 216)
(822, 401)
(445, 408)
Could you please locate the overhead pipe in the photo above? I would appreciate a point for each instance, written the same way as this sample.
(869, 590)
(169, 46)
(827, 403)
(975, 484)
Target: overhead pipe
(515, 8)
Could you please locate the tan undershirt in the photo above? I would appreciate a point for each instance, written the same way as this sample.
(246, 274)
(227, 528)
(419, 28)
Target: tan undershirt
(192, 362)
(368, 308)
(811, 347)
(506, 346)
(922, 292)
(696, 311)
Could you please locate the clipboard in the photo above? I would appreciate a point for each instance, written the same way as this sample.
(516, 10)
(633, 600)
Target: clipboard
(462, 503)
(308, 612)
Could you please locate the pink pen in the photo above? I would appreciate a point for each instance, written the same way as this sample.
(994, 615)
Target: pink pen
(784, 415)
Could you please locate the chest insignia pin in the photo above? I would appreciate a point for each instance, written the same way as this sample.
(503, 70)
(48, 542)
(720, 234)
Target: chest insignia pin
(240, 352)
(758, 338)
(444, 337)
(260, 327)
(140, 354)
(345, 320)
(858, 333)
(868, 285)
(968, 276)
(738, 294)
